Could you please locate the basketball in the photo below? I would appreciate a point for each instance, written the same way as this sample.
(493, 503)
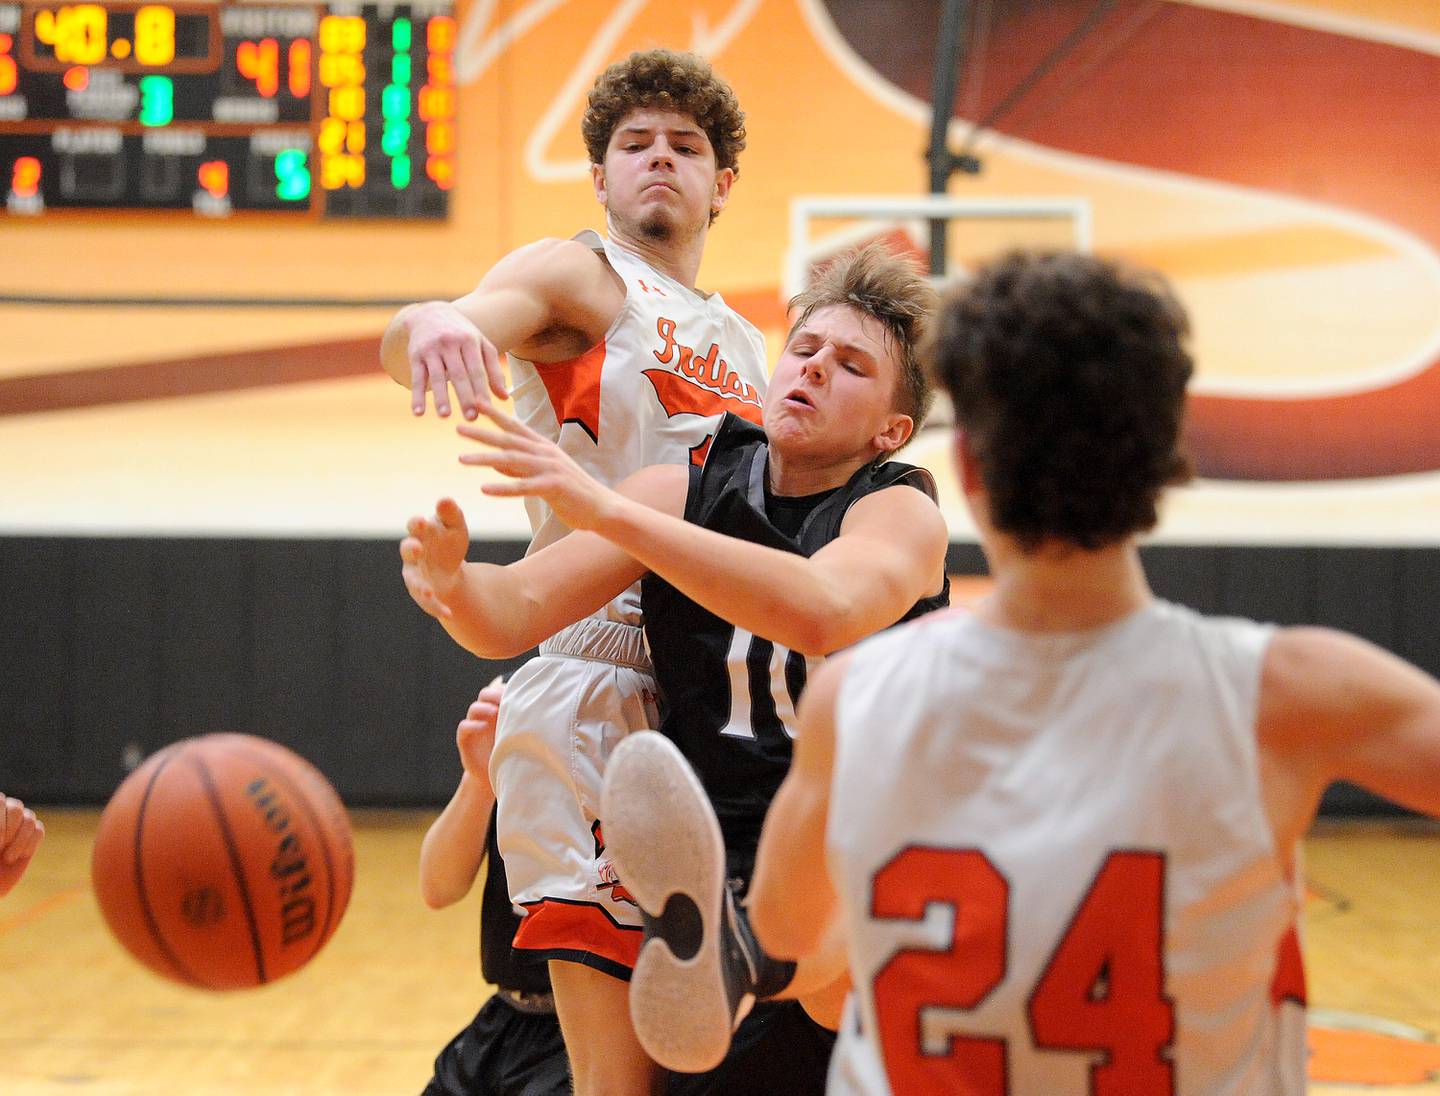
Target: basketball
(223, 862)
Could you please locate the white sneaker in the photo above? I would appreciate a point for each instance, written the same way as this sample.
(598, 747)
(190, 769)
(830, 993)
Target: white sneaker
(661, 831)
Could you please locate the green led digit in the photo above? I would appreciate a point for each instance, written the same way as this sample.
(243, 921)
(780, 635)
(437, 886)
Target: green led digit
(395, 103)
(157, 100)
(400, 35)
(395, 137)
(400, 172)
(292, 174)
(400, 69)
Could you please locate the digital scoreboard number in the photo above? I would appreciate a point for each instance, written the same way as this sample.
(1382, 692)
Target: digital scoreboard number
(328, 110)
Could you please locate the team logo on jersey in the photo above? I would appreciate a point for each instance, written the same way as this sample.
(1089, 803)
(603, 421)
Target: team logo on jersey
(609, 877)
(699, 384)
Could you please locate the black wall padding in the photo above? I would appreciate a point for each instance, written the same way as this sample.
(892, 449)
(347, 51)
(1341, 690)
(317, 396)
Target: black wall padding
(113, 647)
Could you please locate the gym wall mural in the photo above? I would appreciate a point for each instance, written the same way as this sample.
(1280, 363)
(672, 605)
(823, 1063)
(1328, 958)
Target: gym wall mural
(172, 372)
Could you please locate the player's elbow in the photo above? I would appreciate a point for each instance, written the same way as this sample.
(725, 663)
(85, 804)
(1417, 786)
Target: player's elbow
(824, 632)
(823, 624)
(439, 893)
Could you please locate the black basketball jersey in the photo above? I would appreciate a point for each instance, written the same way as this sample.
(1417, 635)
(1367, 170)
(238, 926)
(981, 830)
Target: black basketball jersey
(500, 963)
(727, 698)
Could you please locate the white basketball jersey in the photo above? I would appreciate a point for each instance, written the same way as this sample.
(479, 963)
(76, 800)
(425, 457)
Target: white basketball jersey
(1055, 866)
(650, 392)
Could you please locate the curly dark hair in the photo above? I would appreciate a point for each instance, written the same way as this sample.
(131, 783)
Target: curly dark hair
(666, 80)
(892, 290)
(1068, 375)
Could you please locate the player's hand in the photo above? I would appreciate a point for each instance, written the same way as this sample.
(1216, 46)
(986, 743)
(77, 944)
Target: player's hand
(536, 466)
(447, 351)
(20, 835)
(433, 555)
(475, 735)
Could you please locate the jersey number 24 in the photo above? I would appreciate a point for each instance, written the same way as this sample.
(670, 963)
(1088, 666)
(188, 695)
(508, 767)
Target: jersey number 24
(1101, 992)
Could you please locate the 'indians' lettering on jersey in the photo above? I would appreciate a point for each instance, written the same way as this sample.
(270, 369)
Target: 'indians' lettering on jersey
(699, 384)
(652, 391)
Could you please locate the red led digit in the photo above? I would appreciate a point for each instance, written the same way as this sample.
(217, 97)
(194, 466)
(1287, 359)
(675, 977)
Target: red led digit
(25, 180)
(441, 170)
(440, 34)
(299, 68)
(260, 62)
(214, 176)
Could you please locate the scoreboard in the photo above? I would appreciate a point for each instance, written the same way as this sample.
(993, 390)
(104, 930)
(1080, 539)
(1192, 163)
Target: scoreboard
(327, 110)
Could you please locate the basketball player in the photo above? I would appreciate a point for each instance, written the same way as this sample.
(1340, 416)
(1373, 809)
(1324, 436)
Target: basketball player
(20, 836)
(787, 544)
(617, 357)
(1067, 858)
(513, 1046)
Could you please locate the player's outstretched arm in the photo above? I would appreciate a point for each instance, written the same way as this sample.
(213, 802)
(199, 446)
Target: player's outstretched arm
(792, 902)
(501, 612)
(549, 301)
(1335, 707)
(454, 845)
(889, 555)
(20, 835)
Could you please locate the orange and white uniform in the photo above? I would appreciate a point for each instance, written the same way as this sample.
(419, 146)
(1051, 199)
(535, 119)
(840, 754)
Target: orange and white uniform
(1055, 864)
(652, 391)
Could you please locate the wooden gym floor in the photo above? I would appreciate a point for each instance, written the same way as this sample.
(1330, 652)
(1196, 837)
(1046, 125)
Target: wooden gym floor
(367, 1016)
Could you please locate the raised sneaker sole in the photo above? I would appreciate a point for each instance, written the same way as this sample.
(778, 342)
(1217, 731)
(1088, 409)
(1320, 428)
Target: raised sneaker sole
(668, 851)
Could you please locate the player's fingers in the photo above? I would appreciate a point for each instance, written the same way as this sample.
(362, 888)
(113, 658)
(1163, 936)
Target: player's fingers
(425, 597)
(509, 489)
(14, 815)
(26, 841)
(490, 361)
(507, 464)
(450, 514)
(507, 422)
(462, 365)
(439, 391)
(485, 436)
(472, 353)
(418, 384)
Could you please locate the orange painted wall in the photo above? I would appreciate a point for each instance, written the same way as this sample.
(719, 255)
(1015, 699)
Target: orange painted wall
(1292, 296)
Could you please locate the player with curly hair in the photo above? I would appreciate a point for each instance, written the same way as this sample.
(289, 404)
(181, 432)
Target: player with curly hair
(1062, 831)
(617, 357)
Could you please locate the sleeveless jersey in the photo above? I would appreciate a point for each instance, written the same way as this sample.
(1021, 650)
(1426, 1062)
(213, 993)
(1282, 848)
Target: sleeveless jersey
(727, 698)
(1056, 867)
(650, 392)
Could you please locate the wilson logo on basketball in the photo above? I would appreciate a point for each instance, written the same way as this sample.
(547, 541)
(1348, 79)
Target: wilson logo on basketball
(288, 867)
(699, 384)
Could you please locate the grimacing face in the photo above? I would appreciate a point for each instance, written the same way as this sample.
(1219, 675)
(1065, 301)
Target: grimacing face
(659, 179)
(833, 389)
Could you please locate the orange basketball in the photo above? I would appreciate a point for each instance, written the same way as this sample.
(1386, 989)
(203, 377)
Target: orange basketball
(224, 861)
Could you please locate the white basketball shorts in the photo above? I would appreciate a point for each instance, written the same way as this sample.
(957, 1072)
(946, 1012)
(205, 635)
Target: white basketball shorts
(563, 713)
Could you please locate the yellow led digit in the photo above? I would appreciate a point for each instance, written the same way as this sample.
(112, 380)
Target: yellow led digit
(82, 33)
(342, 34)
(155, 35)
(45, 27)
